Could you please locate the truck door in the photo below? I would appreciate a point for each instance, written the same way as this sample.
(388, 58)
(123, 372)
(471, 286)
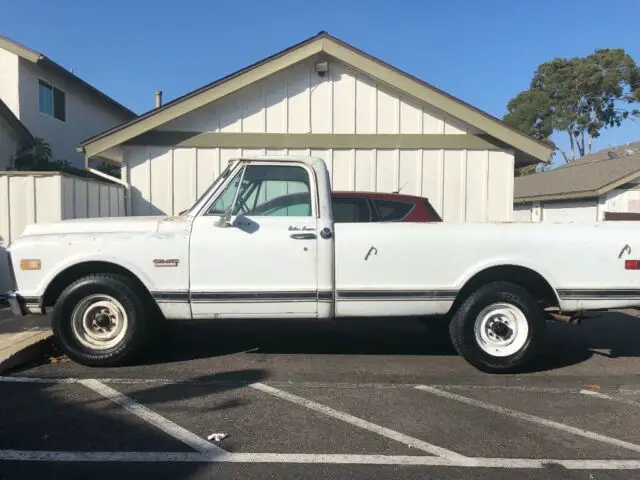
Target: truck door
(254, 247)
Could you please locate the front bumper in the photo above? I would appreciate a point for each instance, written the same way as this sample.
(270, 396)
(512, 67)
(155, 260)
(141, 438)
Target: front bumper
(17, 304)
(21, 306)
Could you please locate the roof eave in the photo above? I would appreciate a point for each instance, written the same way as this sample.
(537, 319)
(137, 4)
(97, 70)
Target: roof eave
(43, 61)
(584, 194)
(21, 130)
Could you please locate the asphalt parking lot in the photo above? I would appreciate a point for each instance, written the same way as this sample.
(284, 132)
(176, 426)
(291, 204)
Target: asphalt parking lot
(328, 400)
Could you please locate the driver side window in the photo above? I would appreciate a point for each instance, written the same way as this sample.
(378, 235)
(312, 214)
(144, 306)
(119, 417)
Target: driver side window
(266, 190)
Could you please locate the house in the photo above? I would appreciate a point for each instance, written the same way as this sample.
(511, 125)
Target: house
(598, 185)
(52, 102)
(376, 127)
(13, 133)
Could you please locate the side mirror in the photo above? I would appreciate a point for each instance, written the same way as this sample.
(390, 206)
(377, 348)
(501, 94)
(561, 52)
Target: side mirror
(224, 221)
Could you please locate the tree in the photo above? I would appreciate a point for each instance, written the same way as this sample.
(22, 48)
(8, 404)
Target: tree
(580, 97)
(32, 156)
(37, 156)
(109, 169)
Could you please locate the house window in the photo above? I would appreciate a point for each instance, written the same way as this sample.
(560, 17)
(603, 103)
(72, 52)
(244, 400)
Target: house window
(51, 101)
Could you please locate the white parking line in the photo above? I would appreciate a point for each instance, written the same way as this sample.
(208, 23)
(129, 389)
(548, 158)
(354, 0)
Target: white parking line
(310, 458)
(284, 384)
(158, 421)
(531, 418)
(603, 396)
(358, 422)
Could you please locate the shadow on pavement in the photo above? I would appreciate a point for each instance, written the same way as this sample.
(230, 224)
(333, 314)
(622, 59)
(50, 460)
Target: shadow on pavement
(612, 334)
(187, 341)
(609, 334)
(71, 417)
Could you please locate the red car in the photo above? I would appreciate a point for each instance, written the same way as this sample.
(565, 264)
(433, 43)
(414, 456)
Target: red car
(352, 207)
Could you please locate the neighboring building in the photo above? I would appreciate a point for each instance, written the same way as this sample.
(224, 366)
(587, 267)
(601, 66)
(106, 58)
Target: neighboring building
(583, 190)
(13, 133)
(376, 127)
(52, 102)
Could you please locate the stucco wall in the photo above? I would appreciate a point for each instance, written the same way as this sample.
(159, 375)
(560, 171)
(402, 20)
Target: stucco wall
(9, 143)
(9, 81)
(85, 116)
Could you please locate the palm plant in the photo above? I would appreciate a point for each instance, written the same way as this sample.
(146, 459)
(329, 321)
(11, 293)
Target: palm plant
(32, 156)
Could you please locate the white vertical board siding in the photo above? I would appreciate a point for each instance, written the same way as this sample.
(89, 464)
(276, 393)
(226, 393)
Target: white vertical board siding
(365, 170)
(500, 186)
(27, 198)
(85, 198)
(462, 185)
(473, 186)
(184, 174)
(454, 185)
(476, 207)
(298, 100)
(433, 177)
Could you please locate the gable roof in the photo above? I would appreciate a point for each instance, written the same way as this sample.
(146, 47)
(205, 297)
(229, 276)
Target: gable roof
(588, 177)
(536, 150)
(46, 63)
(14, 122)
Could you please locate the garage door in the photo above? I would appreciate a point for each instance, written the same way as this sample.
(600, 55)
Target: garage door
(570, 212)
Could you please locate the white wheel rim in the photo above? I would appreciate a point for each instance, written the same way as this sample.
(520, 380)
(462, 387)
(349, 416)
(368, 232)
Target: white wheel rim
(99, 322)
(501, 329)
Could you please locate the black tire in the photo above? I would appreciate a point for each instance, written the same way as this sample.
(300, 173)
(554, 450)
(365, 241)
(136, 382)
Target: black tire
(462, 328)
(134, 303)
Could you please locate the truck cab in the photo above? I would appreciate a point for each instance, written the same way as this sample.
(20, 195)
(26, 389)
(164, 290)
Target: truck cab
(245, 261)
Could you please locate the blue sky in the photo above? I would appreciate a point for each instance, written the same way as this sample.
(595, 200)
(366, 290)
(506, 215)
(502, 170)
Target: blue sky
(483, 52)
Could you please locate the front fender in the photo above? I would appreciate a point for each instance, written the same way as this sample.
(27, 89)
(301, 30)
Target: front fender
(71, 261)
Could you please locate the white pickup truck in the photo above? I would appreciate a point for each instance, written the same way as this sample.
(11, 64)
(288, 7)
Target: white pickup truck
(248, 248)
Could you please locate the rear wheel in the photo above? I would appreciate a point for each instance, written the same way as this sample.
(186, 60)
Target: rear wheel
(101, 320)
(499, 328)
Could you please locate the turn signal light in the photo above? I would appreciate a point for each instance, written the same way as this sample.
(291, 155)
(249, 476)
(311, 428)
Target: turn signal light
(632, 264)
(30, 264)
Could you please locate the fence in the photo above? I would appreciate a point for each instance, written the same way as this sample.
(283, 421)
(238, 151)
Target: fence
(35, 197)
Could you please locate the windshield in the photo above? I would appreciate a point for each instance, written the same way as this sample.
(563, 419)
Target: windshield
(224, 174)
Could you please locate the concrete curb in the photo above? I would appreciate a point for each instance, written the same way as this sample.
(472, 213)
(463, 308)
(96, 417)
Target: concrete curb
(26, 350)
(22, 339)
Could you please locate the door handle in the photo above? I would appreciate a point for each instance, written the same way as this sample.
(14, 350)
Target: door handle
(303, 236)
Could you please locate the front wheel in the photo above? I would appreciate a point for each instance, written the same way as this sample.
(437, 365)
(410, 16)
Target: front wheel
(499, 328)
(100, 320)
